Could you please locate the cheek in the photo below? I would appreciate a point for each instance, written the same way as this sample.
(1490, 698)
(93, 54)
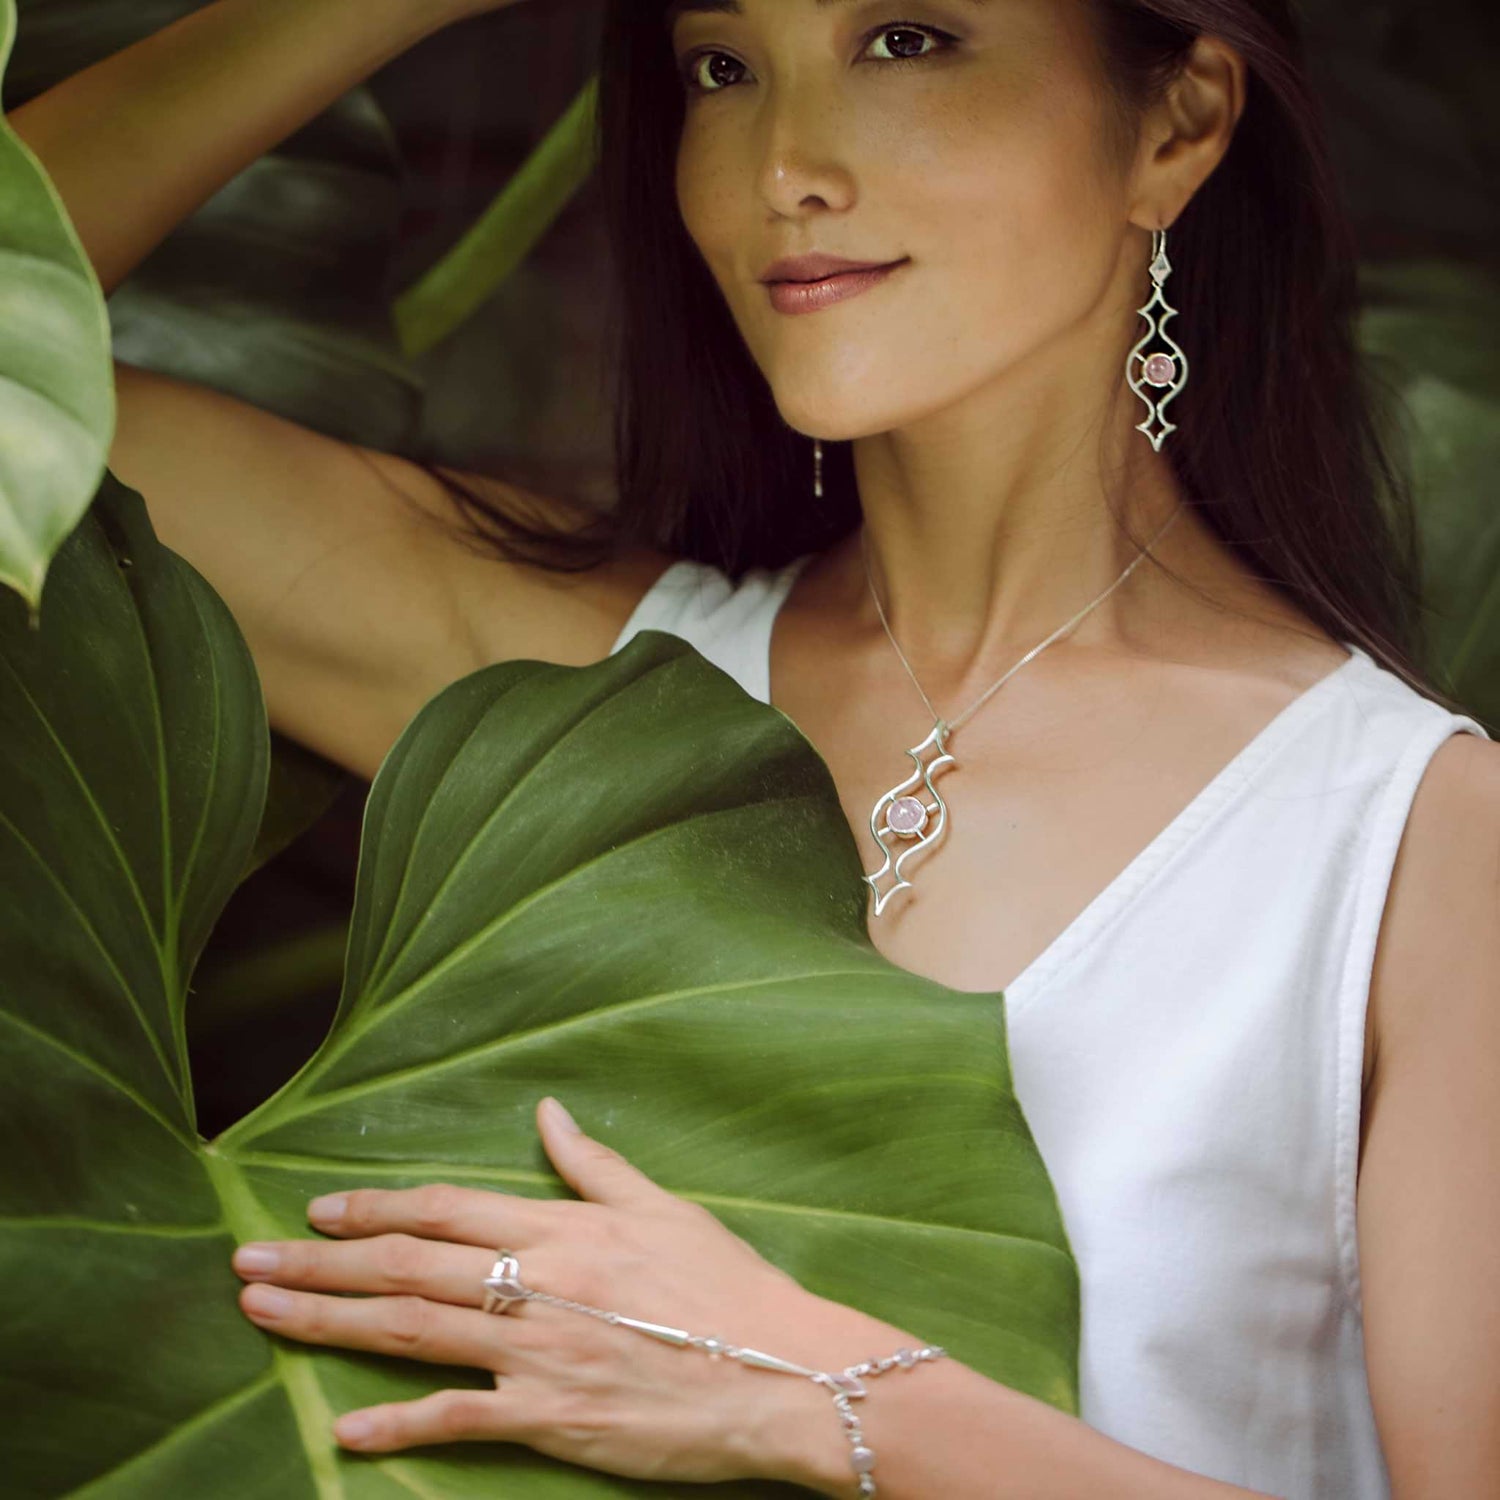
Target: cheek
(712, 195)
(1011, 215)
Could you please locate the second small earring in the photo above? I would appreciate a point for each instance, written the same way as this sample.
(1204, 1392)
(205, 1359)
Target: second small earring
(1163, 370)
(818, 467)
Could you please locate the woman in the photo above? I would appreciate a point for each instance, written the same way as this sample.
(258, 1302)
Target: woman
(1257, 1048)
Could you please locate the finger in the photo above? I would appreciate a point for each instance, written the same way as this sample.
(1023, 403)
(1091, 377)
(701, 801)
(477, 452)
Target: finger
(443, 1417)
(437, 1211)
(393, 1264)
(408, 1327)
(592, 1169)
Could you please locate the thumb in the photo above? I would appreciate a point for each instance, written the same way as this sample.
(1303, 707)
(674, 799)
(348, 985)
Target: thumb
(591, 1168)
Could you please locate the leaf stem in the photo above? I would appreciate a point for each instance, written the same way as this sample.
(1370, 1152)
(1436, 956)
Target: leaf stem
(248, 1219)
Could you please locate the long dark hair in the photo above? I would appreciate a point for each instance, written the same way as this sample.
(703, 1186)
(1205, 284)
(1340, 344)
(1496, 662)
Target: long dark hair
(1287, 440)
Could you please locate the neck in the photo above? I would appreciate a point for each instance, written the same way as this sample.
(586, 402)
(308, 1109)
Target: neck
(985, 537)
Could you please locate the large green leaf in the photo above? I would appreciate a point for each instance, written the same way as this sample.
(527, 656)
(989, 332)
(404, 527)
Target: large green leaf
(57, 393)
(630, 884)
(133, 766)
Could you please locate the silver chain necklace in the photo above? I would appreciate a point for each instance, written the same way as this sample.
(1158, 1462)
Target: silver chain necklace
(907, 817)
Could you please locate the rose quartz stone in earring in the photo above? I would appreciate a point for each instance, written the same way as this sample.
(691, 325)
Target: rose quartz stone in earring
(1161, 369)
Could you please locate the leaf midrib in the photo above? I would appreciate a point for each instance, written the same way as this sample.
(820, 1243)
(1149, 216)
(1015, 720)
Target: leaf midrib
(248, 1220)
(441, 1171)
(176, 989)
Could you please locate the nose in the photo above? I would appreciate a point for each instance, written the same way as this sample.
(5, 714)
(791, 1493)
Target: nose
(801, 162)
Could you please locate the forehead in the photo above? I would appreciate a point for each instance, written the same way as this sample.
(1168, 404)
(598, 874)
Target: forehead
(675, 8)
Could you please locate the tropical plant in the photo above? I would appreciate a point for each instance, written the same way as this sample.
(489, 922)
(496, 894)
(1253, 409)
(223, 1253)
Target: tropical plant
(57, 402)
(630, 884)
(560, 888)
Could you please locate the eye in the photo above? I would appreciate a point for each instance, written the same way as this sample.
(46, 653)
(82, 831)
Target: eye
(692, 74)
(920, 33)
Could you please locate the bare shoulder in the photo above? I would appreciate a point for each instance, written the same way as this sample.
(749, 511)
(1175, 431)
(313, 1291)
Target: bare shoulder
(1439, 941)
(1428, 1196)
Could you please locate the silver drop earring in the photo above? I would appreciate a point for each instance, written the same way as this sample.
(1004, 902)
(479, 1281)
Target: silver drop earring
(1161, 370)
(818, 467)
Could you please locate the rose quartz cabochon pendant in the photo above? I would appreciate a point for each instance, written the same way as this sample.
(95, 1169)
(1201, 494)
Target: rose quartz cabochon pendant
(1160, 370)
(906, 817)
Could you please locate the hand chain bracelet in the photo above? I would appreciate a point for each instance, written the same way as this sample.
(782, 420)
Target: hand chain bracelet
(503, 1286)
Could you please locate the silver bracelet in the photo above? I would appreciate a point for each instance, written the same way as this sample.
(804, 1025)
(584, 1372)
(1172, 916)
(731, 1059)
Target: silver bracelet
(503, 1286)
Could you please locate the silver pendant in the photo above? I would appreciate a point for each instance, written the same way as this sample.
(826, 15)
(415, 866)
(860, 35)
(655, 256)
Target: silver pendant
(907, 818)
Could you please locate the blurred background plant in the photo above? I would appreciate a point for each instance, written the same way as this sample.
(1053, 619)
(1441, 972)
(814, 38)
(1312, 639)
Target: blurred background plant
(417, 270)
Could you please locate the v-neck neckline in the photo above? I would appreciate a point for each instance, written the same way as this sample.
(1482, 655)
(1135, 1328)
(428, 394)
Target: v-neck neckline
(1199, 814)
(1113, 899)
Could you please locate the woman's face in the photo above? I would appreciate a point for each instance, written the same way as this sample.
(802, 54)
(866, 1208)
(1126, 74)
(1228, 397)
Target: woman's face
(979, 159)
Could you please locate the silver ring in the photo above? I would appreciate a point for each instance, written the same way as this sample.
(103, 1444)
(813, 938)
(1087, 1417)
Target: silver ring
(503, 1286)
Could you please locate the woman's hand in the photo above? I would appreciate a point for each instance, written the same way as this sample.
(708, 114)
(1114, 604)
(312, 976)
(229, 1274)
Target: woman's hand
(568, 1384)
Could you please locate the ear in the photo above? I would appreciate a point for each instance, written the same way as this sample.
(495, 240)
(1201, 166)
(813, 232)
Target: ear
(591, 1168)
(1186, 133)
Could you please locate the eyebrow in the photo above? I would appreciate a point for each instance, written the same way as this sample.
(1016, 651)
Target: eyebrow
(733, 8)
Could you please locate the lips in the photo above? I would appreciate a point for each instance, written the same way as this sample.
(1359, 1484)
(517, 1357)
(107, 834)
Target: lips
(816, 267)
(813, 296)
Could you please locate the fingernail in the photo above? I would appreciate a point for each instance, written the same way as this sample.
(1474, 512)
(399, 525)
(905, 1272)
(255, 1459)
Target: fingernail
(561, 1115)
(354, 1428)
(256, 1258)
(329, 1209)
(267, 1302)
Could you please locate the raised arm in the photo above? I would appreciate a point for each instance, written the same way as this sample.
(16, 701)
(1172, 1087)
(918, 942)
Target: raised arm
(140, 139)
(356, 605)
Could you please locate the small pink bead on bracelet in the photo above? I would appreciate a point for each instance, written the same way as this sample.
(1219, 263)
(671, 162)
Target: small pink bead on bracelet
(503, 1286)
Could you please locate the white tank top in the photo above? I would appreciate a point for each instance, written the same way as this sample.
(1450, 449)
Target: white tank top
(1189, 1054)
